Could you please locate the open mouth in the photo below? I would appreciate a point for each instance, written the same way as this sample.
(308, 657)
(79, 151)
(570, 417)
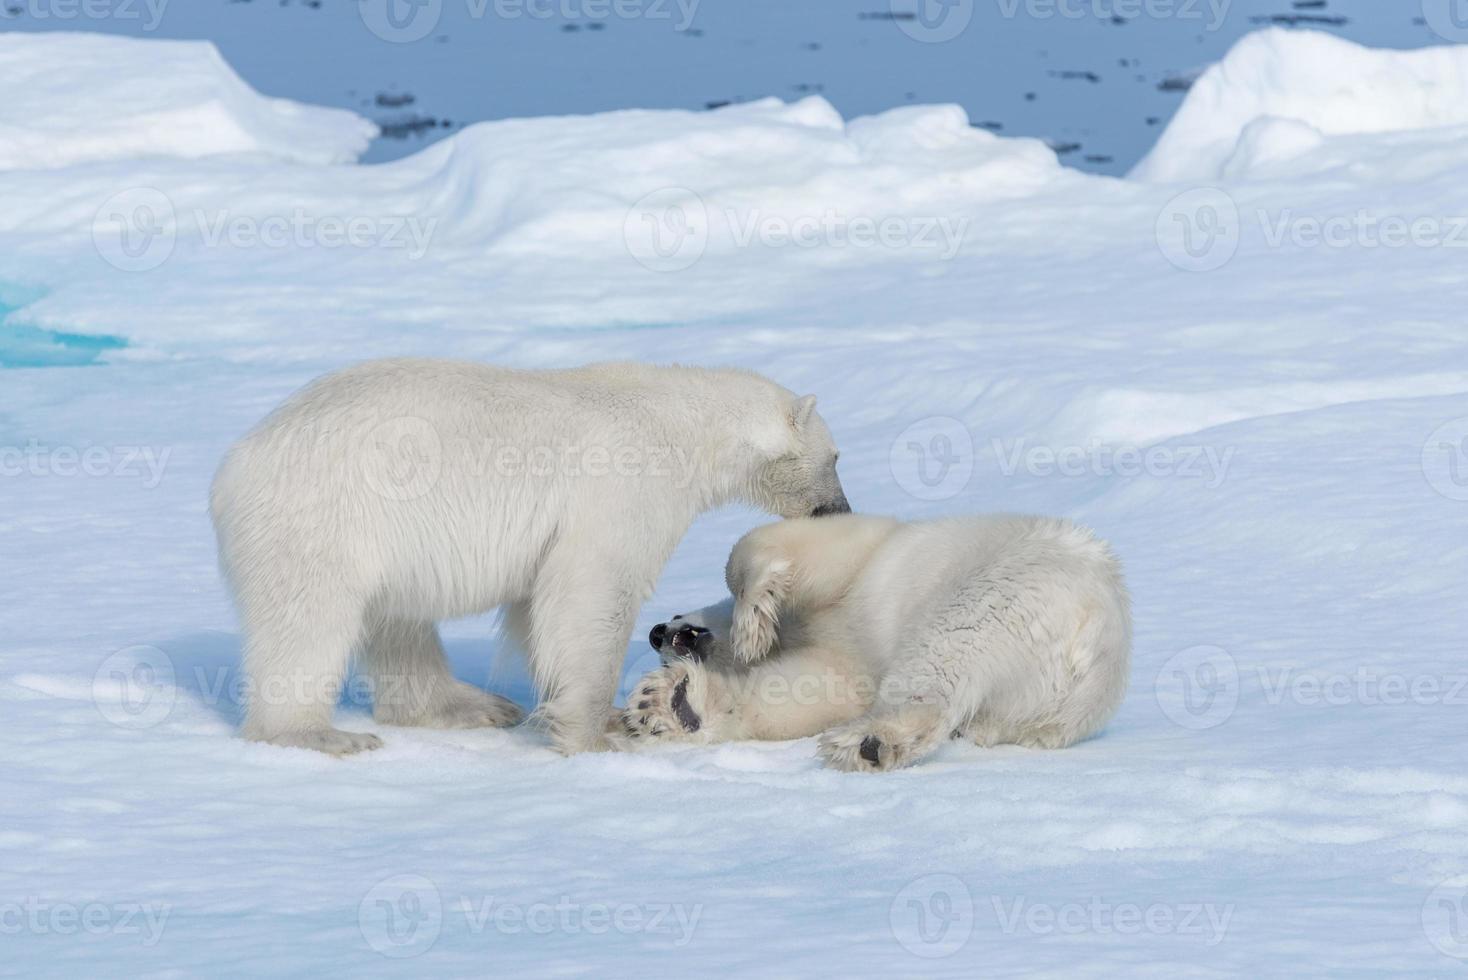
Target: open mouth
(693, 642)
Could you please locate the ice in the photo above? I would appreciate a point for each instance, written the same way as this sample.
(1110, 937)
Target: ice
(25, 346)
(1276, 91)
(1276, 445)
(72, 98)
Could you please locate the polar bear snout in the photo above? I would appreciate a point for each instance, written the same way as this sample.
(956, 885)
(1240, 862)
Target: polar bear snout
(836, 505)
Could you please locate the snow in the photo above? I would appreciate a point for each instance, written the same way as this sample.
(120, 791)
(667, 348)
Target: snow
(1275, 446)
(72, 98)
(1278, 91)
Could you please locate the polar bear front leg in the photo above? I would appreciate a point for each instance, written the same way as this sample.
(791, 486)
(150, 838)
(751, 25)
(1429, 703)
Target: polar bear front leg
(795, 694)
(760, 593)
(581, 616)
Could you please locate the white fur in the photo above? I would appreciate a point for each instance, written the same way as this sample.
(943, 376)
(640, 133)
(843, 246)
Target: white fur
(386, 497)
(899, 635)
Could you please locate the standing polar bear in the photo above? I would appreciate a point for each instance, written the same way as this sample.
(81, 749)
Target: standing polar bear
(887, 638)
(397, 493)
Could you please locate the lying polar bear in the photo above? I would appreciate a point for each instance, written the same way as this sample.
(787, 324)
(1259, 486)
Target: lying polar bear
(886, 638)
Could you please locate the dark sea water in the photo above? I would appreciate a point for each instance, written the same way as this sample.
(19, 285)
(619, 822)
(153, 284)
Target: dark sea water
(1097, 78)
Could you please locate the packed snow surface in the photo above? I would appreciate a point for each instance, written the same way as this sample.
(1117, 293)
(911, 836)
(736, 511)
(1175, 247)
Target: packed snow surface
(1257, 390)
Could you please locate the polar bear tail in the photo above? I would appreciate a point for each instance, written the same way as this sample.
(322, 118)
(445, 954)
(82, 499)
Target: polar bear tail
(1097, 658)
(1065, 681)
(1100, 663)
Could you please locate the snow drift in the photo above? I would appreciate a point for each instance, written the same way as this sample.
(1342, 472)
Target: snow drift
(554, 181)
(1279, 93)
(631, 193)
(72, 98)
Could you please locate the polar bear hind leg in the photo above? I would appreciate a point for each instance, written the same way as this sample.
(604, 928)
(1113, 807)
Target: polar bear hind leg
(297, 651)
(932, 690)
(411, 683)
(1033, 673)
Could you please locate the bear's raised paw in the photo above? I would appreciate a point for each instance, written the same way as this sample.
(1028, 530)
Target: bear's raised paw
(665, 704)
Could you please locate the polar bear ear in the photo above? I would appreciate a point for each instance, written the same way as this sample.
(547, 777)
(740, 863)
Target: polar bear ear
(800, 412)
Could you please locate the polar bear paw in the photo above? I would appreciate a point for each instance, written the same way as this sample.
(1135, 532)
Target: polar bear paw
(458, 705)
(332, 741)
(880, 744)
(666, 704)
(473, 708)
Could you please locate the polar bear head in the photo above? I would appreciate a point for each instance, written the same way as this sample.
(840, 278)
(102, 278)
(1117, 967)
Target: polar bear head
(797, 476)
(701, 635)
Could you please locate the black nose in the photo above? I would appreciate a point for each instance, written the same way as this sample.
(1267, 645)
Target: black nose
(825, 510)
(658, 635)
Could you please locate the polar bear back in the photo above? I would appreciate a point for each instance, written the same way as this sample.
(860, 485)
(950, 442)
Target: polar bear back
(1043, 600)
(438, 485)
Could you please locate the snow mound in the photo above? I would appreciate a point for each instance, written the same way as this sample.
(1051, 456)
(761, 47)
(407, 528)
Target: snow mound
(1277, 93)
(75, 98)
(735, 174)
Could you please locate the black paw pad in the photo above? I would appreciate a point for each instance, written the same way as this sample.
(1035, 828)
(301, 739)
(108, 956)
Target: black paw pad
(686, 716)
(871, 749)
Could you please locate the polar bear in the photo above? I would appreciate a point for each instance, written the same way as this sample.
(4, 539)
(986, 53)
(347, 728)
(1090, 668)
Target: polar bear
(886, 638)
(397, 493)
